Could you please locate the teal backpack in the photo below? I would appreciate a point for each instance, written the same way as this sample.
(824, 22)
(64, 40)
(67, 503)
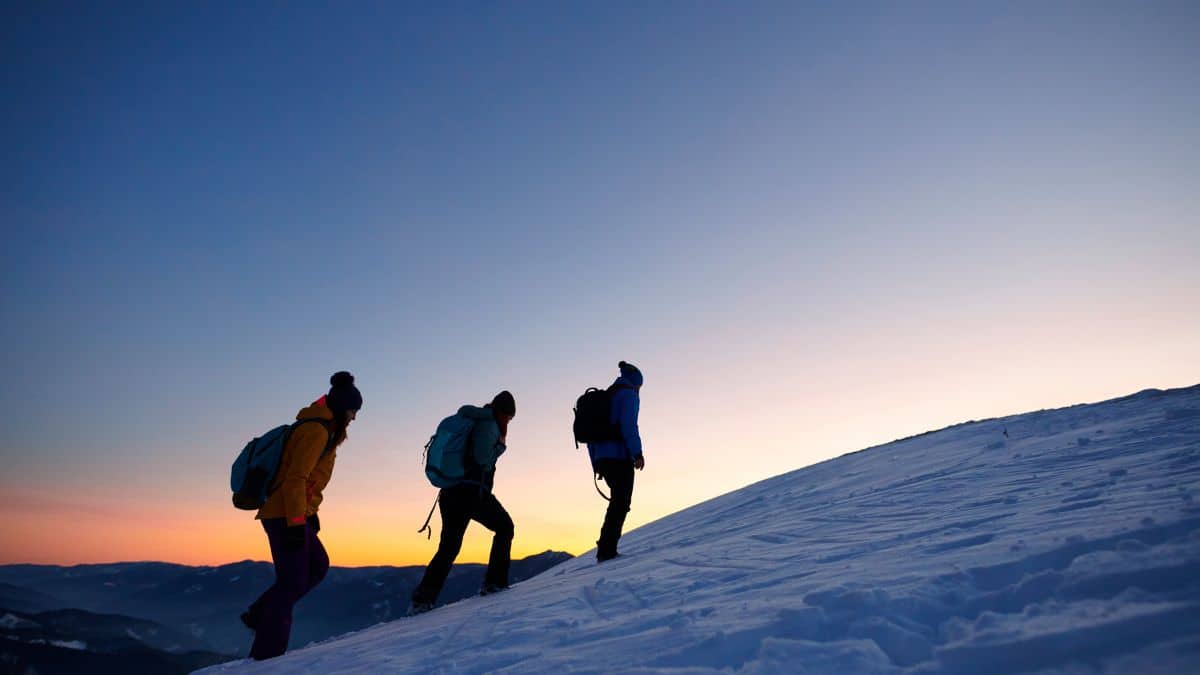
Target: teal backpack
(253, 473)
(445, 453)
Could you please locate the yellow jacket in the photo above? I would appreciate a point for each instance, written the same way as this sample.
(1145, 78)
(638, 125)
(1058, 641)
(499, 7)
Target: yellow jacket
(303, 470)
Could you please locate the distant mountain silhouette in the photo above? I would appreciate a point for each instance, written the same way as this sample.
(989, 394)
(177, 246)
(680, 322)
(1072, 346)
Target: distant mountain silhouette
(72, 641)
(196, 608)
(24, 600)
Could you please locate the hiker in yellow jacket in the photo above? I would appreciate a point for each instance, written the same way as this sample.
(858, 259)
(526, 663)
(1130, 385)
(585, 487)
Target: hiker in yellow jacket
(289, 516)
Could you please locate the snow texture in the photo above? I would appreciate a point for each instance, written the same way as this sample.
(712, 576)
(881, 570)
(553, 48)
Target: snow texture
(1063, 541)
(11, 621)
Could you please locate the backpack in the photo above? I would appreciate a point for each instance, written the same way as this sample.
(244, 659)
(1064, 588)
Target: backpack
(445, 453)
(253, 474)
(593, 415)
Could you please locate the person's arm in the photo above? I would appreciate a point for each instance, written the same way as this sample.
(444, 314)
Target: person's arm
(319, 478)
(483, 443)
(304, 448)
(628, 416)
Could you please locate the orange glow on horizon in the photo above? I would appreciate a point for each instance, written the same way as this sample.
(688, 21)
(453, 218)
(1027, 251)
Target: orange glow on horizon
(373, 508)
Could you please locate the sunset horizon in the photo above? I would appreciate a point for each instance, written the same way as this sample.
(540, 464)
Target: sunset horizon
(363, 548)
(815, 230)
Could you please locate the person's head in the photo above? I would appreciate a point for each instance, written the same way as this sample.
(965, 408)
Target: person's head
(504, 407)
(344, 400)
(631, 373)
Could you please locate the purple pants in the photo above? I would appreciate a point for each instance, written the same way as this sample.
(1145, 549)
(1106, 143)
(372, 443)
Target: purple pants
(296, 573)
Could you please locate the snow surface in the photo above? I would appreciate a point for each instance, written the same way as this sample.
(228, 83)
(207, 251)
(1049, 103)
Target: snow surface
(1069, 545)
(76, 645)
(11, 621)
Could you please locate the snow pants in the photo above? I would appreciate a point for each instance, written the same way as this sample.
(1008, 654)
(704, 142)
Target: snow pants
(618, 474)
(296, 573)
(459, 505)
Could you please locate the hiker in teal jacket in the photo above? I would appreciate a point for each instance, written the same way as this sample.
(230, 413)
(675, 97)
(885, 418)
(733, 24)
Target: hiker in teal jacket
(472, 499)
(487, 442)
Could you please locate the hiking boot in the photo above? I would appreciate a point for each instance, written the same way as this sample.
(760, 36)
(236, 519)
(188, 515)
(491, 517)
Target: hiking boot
(490, 588)
(418, 607)
(606, 556)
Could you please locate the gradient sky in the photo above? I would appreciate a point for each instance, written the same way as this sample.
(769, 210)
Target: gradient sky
(815, 228)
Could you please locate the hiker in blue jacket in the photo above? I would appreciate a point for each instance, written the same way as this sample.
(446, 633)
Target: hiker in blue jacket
(472, 499)
(615, 461)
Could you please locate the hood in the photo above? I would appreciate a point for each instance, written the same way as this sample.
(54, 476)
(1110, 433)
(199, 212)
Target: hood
(627, 382)
(631, 373)
(315, 410)
(476, 413)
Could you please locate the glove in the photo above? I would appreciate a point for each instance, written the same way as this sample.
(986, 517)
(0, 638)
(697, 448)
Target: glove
(639, 463)
(293, 538)
(314, 521)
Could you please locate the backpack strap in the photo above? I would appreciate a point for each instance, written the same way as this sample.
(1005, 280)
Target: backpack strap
(596, 482)
(323, 422)
(328, 444)
(430, 517)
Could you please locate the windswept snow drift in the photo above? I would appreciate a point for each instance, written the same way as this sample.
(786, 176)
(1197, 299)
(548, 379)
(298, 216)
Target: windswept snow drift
(1070, 544)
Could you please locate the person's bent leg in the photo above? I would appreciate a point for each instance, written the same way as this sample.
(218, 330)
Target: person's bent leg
(274, 621)
(318, 566)
(491, 514)
(456, 505)
(318, 562)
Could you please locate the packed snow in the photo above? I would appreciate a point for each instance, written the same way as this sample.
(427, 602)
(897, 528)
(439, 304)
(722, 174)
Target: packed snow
(1063, 541)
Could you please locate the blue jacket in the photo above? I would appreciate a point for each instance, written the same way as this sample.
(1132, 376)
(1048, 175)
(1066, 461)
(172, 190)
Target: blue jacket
(625, 405)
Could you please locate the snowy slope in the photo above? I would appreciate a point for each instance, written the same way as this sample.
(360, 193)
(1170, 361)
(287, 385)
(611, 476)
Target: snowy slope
(1070, 545)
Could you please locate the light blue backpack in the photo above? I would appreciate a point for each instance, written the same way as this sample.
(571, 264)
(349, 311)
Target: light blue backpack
(445, 453)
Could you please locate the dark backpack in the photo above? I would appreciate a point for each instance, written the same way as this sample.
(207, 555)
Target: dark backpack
(253, 474)
(593, 415)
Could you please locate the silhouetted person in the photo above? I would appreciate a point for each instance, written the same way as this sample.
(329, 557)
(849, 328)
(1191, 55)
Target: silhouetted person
(290, 514)
(615, 460)
(472, 499)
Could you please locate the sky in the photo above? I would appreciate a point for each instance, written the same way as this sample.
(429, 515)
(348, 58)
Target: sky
(815, 228)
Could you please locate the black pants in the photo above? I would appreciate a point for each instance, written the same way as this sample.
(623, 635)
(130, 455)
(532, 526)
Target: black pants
(460, 505)
(618, 474)
(296, 573)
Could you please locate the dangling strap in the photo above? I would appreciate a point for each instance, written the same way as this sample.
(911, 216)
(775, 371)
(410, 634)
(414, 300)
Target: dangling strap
(596, 482)
(429, 518)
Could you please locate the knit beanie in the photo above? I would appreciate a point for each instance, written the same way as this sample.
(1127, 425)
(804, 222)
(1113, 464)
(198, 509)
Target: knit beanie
(505, 403)
(631, 373)
(343, 395)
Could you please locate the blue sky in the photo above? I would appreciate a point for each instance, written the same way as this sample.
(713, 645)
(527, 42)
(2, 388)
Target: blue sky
(776, 209)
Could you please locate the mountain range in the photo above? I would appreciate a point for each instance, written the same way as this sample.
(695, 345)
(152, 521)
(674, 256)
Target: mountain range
(164, 617)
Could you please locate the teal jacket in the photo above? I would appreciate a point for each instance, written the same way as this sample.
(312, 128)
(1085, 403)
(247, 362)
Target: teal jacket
(486, 445)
